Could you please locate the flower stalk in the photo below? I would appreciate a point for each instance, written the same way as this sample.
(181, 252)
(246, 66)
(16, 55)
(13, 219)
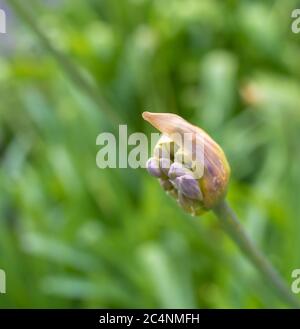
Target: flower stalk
(176, 165)
(235, 230)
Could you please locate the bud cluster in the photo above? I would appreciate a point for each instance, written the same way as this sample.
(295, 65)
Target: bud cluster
(197, 180)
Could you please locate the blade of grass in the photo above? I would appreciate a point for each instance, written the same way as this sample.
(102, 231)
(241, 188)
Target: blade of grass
(68, 66)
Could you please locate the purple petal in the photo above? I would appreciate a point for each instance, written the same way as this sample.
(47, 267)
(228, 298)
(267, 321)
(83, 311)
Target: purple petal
(152, 166)
(177, 170)
(189, 186)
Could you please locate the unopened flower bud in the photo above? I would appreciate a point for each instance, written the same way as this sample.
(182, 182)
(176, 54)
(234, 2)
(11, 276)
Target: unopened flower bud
(177, 170)
(152, 166)
(189, 186)
(199, 171)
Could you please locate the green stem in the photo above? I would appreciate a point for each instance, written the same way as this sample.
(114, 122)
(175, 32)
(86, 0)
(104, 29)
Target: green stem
(233, 227)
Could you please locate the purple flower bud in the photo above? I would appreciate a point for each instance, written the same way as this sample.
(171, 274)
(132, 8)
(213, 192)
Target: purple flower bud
(189, 186)
(209, 166)
(177, 170)
(152, 166)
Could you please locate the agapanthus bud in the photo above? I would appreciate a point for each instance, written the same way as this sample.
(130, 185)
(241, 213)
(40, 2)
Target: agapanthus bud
(189, 187)
(177, 169)
(153, 167)
(198, 180)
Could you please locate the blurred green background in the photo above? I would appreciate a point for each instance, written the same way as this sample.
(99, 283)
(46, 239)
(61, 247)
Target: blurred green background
(73, 235)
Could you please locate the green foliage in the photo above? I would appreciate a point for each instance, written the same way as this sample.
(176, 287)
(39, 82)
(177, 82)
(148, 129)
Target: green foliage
(72, 235)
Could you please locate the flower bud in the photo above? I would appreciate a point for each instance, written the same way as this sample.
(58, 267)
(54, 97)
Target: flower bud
(177, 170)
(152, 166)
(198, 170)
(189, 187)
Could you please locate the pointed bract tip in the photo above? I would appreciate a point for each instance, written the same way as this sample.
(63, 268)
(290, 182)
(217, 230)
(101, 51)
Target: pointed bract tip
(167, 123)
(146, 115)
